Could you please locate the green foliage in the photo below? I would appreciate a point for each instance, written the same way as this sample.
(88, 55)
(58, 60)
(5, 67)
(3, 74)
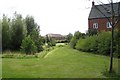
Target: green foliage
(97, 43)
(5, 33)
(69, 37)
(88, 44)
(73, 42)
(28, 46)
(104, 43)
(51, 42)
(29, 20)
(74, 39)
(17, 55)
(33, 30)
(77, 34)
(117, 43)
(37, 39)
(91, 32)
(18, 31)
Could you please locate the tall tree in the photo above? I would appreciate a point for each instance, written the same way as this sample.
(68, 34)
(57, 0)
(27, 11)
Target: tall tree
(5, 33)
(69, 37)
(18, 31)
(33, 29)
(30, 23)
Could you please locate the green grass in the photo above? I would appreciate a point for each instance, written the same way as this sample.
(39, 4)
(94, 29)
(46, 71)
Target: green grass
(0, 65)
(61, 62)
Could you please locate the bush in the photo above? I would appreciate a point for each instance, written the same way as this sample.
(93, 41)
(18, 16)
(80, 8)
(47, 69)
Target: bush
(117, 43)
(92, 32)
(97, 43)
(75, 38)
(88, 44)
(104, 43)
(73, 42)
(28, 46)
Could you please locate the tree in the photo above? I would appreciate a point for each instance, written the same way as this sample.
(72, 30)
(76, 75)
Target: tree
(74, 39)
(28, 46)
(33, 29)
(37, 39)
(69, 37)
(30, 23)
(18, 31)
(5, 33)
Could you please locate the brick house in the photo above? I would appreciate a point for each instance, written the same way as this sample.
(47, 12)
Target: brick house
(98, 21)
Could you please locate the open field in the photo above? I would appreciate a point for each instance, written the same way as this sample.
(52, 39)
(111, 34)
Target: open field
(61, 62)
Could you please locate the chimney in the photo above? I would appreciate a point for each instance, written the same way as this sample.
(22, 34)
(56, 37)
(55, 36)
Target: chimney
(93, 3)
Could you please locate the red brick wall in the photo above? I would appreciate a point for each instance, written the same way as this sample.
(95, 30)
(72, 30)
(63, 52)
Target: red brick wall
(102, 24)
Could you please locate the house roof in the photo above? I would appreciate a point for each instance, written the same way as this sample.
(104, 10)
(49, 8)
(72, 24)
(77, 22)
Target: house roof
(55, 35)
(97, 11)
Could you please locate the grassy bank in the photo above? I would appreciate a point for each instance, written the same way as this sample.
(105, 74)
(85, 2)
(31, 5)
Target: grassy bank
(62, 62)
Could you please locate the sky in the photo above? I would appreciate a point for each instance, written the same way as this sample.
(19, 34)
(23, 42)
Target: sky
(53, 16)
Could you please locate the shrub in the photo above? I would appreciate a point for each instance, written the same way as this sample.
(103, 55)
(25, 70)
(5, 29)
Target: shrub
(75, 38)
(28, 46)
(88, 44)
(104, 43)
(91, 32)
(117, 43)
(97, 43)
(73, 42)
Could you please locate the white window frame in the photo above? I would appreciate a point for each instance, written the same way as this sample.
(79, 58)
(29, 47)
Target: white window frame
(109, 25)
(95, 25)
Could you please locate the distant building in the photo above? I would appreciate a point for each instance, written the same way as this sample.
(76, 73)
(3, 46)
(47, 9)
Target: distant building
(56, 36)
(98, 21)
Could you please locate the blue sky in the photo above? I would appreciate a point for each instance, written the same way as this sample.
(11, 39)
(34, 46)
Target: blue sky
(53, 16)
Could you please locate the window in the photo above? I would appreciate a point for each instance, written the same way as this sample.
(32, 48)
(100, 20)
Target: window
(95, 25)
(109, 25)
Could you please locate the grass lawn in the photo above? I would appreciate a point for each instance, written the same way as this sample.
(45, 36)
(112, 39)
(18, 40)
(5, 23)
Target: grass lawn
(62, 62)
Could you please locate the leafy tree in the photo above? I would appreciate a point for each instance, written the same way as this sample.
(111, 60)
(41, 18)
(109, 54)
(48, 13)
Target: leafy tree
(69, 37)
(30, 23)
(37, 39)
(77, 34)
(33, 30)
(74, 39)
(5, 33)
(28, 46)
(18, 31)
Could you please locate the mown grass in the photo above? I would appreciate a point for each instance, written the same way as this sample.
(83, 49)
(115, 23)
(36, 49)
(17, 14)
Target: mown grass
(0, 65)
(61, 63)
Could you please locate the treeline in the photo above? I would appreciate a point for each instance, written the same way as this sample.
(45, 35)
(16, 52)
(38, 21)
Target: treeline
(98, 43)
(20, 33)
